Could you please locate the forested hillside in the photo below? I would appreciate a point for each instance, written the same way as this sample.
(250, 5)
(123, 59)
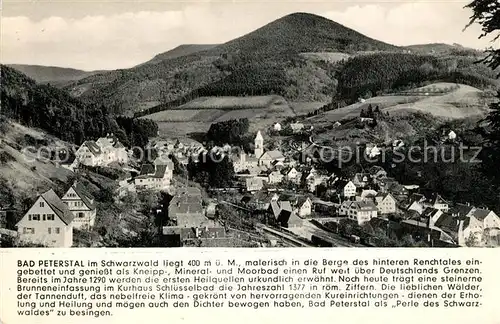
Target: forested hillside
(369, 75)
(59, 114)
(51, 74)
(256, 63)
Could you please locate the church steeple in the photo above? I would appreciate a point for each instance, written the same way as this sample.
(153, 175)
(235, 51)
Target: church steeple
(259, 145)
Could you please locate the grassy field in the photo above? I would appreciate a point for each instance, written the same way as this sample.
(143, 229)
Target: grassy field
(174, 115)
(176, 129)
(303, 108)
(354, 109)
(463, 101)
(197, 115)
(233, 103)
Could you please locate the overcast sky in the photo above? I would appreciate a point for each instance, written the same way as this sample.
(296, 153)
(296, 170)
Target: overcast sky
(107, 34)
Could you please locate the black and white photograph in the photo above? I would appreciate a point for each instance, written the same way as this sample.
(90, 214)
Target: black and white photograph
(250, 124)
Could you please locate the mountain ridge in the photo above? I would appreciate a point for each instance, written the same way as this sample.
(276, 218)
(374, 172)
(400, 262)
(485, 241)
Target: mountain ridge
(179, 51)
(268, 54)
(55, 75)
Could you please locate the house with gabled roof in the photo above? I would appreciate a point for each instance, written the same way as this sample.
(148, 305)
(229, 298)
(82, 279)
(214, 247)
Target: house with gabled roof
(89, 153)
(274, 177)
(360, 211)
(386, 203)
(437, 202)
(303, 206)
(112, 149)
(104, 151)
(345, 188)
(154, 176)
(296, 127)
(283, 213)
(261, 200)
(416, 203)
(464, 222)
(82, 205)
(48, 222)
(191, 218)
(431, 215)
(267, 158)
(293, 175)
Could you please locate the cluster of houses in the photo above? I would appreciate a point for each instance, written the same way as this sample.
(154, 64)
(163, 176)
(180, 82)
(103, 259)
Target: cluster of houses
(181, 151)
(295, 127)
(363, 198)
(50, 220)
(105, 151)
(192, 217)
(465, 224)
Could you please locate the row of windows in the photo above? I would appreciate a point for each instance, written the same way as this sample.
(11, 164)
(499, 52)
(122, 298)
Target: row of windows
(74, 203)
(31, 230)
(38, 217)
(157, 180)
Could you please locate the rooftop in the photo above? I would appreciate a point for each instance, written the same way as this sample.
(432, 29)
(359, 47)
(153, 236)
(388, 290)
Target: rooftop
(58, 206)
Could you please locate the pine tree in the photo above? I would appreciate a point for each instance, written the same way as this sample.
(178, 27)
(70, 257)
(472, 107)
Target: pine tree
(369, 113)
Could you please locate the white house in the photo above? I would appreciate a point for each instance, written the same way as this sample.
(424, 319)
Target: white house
(254, 184)
(48, 222)
(239, 162)
(417, 203)
(360, 211)
(437, 202)
(157, 176)
(296, 127)
(345, 189)
(81, 205)
(361, 179)
(386, 203)
(89, 153)
(292, 174)
(277, 127)
(104, 151)
(452, 135)
(372, 151)
(314, 180)
(274, 177)
(483, 219)
(304, 206)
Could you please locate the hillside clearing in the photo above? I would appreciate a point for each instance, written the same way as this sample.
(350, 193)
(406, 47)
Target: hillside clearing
(330, 57)
(461, 102)
(354, 109)
(233, 103)
(464, 102)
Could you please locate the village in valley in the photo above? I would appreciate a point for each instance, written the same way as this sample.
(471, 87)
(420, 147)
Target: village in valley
(272, 195)
(301, 133)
